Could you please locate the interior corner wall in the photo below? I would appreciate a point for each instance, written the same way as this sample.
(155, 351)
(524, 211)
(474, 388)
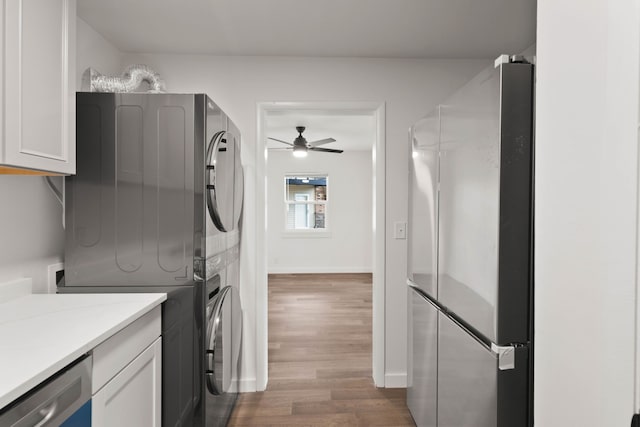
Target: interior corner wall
(31, 229)
(93, 51)
(347, 248)
(31, 217)
(586, 212)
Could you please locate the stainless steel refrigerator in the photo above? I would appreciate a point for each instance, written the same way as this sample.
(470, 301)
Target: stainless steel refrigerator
(155, 206)
(470, 256)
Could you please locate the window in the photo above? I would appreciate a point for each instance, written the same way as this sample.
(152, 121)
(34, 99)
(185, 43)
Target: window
(306, 202)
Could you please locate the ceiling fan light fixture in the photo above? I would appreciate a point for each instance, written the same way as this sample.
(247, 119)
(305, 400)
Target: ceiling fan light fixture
(299, 152)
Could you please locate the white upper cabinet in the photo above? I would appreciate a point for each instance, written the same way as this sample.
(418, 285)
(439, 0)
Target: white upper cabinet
(38, 103)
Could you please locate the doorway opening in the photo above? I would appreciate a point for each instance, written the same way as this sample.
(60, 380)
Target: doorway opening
(270, 205)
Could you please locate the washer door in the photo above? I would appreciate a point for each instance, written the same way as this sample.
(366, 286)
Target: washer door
(221, 159)
(223, 336)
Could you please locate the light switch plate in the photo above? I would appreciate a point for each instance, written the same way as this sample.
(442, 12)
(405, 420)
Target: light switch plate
(400, 230)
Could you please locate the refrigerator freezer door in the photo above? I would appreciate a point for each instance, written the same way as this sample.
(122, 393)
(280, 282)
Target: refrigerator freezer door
(467, 379)
(477, 386)
(423, 204)
(484, 243)
(422, 398)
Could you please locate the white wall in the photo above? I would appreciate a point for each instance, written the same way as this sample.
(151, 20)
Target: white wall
(410, 89)
(348, 245)
(94, 51)
(31, 233)
(586, 195)
(30, 228)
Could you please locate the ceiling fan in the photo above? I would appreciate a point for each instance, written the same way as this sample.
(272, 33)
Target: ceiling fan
(301, 146)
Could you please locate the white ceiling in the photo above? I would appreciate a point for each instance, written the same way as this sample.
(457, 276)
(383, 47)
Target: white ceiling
(352, 130)
(355, 28)
(339, 28)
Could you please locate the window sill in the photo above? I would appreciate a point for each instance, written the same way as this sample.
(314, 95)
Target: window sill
(306, 234)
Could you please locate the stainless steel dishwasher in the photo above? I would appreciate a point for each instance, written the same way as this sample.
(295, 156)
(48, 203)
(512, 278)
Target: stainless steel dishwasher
(62, 400)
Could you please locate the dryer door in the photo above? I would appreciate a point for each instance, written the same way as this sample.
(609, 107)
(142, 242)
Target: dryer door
(238, 186)
(220, 176)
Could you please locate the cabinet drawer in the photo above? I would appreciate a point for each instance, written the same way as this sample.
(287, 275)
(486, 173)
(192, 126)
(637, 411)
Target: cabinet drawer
(114, 354)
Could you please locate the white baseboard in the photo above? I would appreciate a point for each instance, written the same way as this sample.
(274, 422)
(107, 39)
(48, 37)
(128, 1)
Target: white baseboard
(315, 269)
(395, 380)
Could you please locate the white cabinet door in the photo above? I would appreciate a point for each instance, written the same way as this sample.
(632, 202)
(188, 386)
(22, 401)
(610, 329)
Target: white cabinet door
(39, 85)
(133, 397)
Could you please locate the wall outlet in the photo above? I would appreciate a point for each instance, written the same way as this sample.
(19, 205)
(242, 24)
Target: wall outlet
(52, 276)
(400, 230)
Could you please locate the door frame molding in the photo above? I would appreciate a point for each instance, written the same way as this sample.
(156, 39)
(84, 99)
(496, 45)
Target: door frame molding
(377, 109)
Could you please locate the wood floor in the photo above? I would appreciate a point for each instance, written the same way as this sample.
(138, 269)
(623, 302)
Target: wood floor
(320, 358)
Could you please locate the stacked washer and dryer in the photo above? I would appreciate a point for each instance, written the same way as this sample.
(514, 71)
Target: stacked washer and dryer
(224, 183)
(155, 206)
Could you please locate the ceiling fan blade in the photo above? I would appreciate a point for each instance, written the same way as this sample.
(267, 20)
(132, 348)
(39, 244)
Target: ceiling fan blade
(279, 140)
(325, 150)
(279, 149)
(320, 142)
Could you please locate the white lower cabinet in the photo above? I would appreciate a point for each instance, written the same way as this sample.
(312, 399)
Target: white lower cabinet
(126, 378)
(132, 398)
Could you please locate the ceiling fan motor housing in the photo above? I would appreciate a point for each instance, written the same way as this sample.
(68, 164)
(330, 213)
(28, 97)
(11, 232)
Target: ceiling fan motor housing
(300, 141)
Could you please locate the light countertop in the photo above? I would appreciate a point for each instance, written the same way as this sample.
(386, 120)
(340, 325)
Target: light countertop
(42, 333)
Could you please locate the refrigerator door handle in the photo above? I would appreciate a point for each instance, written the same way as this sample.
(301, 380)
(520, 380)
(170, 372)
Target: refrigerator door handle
(506, 356)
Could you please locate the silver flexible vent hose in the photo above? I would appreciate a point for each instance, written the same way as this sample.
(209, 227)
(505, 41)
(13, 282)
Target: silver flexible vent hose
(131, 79)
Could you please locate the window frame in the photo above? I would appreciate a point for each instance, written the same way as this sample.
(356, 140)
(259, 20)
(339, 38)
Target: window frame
(306, 232)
